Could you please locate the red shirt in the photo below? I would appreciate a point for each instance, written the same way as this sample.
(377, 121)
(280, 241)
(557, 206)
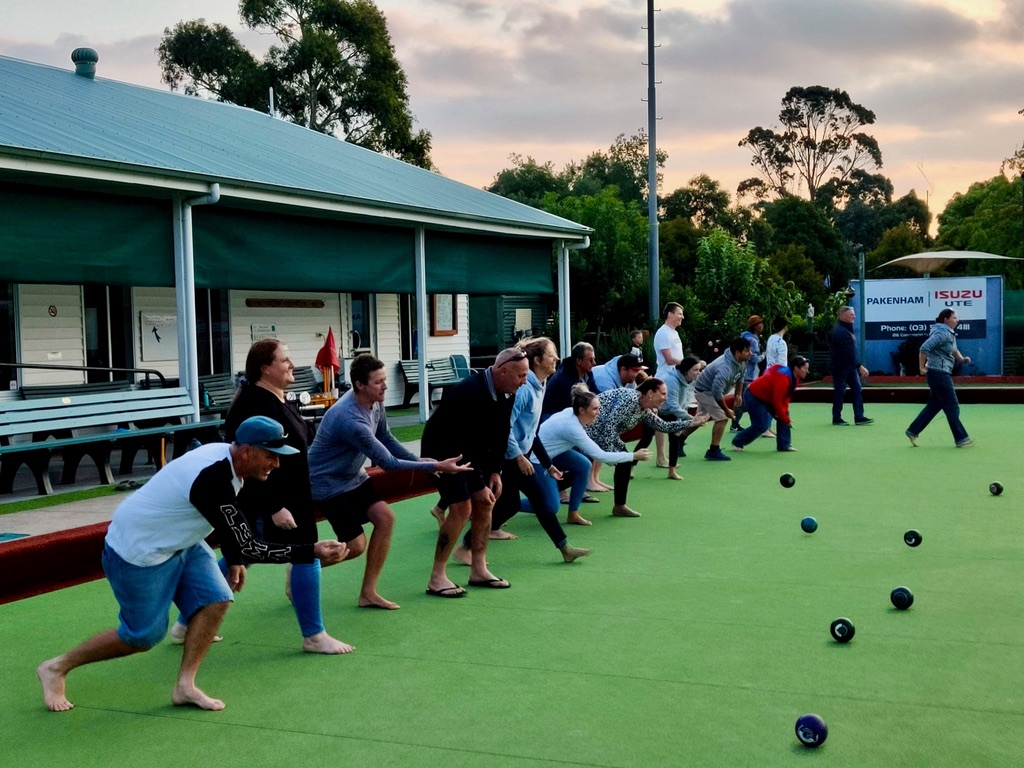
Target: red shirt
(774, 388)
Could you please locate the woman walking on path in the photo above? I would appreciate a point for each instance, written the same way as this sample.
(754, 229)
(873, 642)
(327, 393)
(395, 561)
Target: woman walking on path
(936, 358)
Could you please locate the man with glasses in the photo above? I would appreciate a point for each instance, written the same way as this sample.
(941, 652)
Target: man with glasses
(473, 420)
(155, 553)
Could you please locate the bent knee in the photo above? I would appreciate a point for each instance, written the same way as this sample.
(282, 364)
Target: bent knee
(356, 547)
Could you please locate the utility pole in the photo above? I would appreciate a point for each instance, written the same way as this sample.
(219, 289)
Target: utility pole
(654, 290)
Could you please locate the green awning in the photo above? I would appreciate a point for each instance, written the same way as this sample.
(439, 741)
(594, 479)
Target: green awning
(264, 251)
(72, 237)
(79, 237)
(481, 265)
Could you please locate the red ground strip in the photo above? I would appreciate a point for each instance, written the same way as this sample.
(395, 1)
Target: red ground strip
(39, 564)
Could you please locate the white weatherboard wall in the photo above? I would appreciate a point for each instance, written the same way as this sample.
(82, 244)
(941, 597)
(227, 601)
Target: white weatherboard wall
(52, 332)
(295, 326)
(159, 302)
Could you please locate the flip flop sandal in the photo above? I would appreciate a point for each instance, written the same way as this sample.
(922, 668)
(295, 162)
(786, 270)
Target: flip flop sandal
(455, 591)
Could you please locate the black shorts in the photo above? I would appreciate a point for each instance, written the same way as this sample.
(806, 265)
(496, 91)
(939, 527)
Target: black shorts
(346, 512)
(454, 488)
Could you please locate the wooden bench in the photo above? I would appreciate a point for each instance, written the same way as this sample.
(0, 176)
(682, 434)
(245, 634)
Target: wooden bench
(37, 391)
(441, 374)
(93, 425)
(216, 392)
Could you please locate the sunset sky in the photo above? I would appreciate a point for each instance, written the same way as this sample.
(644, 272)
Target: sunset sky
(557, 81)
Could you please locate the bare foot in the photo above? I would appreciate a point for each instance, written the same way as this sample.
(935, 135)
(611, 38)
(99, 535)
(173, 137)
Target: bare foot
(575, 518)
(602, 488)
(673, 475)
(662, 462)
(376, 601)
(321, 642)
(569, 554)
(53, 687)
(500, 535)
(190, 696)
(461, 555)
(621, 510)
(178, 631)
(438, 514)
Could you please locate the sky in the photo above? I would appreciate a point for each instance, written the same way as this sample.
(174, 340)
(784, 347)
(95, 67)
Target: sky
(558, 80)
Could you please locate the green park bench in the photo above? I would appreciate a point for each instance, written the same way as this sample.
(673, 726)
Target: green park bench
(80, 425)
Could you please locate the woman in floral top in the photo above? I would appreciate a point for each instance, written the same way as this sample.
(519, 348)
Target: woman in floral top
(621, 410)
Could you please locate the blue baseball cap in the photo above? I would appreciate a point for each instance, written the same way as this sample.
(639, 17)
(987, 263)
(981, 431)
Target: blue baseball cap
(263, 432)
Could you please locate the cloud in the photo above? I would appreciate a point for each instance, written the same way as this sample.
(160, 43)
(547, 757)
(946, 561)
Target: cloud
(560, 80)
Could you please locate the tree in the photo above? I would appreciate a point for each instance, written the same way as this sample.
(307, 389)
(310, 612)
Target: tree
(901, 240)
(527, 181)
(608, 281)
(988, 218)
(623, 166)
(728, 282)
(862, 208)
(819, 140)
(706, 205)
(334, 71)
(793, 221)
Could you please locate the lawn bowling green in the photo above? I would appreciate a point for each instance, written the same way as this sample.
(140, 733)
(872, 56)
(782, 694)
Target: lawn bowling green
(695, 635)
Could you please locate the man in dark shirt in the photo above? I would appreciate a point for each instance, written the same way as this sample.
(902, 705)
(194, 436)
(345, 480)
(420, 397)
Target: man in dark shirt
(155, 553)
(576, 369)
(473, 421)
(847, 370)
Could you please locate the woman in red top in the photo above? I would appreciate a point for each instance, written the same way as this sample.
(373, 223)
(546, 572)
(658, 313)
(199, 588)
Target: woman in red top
(767, 397)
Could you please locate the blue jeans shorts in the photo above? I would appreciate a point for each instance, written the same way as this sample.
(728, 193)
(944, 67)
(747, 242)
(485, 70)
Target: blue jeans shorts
(190, 579)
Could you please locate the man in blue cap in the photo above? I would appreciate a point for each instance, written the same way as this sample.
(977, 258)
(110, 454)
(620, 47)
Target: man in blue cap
(155, 554)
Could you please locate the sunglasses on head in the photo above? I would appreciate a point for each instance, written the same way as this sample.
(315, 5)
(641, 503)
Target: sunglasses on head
(514, 358)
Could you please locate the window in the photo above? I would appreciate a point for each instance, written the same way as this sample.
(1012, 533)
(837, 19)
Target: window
(360, 322)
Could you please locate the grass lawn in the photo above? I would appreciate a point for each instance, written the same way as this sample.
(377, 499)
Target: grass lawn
(692, 636)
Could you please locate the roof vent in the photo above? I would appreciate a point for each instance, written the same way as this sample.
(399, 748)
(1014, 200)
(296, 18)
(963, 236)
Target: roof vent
(85, 60)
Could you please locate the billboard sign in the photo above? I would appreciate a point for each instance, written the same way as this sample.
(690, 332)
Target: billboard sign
(897, 310)
(900, 309)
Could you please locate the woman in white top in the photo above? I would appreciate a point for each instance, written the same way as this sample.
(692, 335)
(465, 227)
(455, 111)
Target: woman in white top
(776, 351)
(566, 441)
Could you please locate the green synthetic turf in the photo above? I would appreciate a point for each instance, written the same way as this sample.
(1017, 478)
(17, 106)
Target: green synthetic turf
(694, 635)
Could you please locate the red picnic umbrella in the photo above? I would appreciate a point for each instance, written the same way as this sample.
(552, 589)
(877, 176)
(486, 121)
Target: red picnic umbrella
(327, 360)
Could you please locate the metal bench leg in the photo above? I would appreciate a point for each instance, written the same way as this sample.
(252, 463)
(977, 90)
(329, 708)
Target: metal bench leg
(72, 457)
(410, 391)
(100, 455)
(39, 464)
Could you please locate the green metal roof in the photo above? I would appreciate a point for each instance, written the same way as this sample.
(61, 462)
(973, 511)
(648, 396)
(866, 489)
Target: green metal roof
(57, 117)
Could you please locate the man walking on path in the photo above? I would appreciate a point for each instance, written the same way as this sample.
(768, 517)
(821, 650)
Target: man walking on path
(847, 370)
